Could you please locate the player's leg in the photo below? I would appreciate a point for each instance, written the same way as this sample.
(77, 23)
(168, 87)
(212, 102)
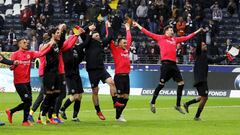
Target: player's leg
(192, 101)
(76, 107)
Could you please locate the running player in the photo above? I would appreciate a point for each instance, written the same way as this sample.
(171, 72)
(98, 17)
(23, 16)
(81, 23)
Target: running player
(121, 58)
(200, 77)
(169, 69)
(21, 75)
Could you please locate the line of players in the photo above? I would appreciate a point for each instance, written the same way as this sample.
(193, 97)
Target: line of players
(59, 61)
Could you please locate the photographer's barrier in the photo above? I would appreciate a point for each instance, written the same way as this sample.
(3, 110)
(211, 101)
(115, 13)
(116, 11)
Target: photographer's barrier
(224, 81)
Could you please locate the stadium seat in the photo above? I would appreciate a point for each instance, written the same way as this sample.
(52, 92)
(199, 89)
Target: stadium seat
(16, 9)
(3, 16)
(8, 2)
(8, 12)
(1, 2)
(31, 2)
(24, 2)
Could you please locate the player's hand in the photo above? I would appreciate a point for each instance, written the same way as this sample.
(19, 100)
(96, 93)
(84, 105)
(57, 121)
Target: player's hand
(127, 26)
(77, 30)
(108, 24)
(62, 27)
(1, 57)
(16, 62)
(135, 24)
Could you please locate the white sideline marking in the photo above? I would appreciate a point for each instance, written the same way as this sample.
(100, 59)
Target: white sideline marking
(142, 109)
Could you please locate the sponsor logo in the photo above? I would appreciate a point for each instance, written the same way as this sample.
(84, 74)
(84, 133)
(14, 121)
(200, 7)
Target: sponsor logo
(212, 93)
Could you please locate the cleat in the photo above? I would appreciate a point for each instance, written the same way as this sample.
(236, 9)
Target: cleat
(121, 119)
(30, 118)
(186, 107)
(58, 120)
(178, 108)
(44, 120)
(75, 119)
(9, 115)
(152, 108)
(52, 121)
(101, 116)
(26, 123)
(2, 123)
(63, 114)
(197, 119)
(39, 122)
(117, 104)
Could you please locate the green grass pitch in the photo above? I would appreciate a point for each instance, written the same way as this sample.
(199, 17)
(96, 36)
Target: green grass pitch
(220, 117)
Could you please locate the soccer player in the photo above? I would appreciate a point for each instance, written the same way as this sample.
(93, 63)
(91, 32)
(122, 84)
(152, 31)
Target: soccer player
(200, 77)
(169, 69)
(54, 68)
(96, 70)
(21, 75)
(121, 58)
(72, 59)
(3, 60)
(40, 97)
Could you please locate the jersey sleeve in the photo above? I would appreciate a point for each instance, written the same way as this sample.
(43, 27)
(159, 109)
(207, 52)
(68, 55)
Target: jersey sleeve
(69, 43)
(184, 38)
(129, 39)
(152, 35)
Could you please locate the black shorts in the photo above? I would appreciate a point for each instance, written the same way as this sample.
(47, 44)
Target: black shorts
(170, 70)
(96, 75)
(74, 84)
(24, 90)
(202, 88)
(62, 84)
(52, 82)
(122, 83)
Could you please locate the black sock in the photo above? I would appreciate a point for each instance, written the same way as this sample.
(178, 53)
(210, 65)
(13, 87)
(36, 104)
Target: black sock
(97, 108)
(125, 104)
(192, 101)
(67, 103)
(179, 94)
(77, 105)
(118, 109)
(198, 112)
(26, 110)
(114, 99)
(156, 92)
(17, 108)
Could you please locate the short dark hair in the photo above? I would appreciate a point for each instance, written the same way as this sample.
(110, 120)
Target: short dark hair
(167, 27)
(20, 39)
(120, 39)
(52, 31)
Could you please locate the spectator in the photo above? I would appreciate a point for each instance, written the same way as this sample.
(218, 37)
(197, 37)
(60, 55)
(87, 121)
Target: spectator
(211, 31)
(143, 52)
(34, 44)
(227, 47)
(105, 10)
(80, 8)
(198, 16)
(216, 13)
(189, 25)
(1, 23)
(181, 26)
(232, 7)
(25, 17)
(179, 54)
(11, 36)
(161, 25)
(141, 13)
(92, 12)
(36, 9)
(48, 11)
(14, 46)
(152, 18)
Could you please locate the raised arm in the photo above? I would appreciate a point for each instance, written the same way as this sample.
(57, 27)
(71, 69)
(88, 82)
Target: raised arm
(128, 36)
(71, 41)
(109, 34)
(185, 38)
(146, 32)
(44, 49)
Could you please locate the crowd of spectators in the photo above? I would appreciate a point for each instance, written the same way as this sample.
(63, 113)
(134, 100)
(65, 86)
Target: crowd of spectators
(184, 15)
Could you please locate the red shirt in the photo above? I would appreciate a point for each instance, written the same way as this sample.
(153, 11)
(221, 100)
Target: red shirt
(41, 66)
(21, 72)
(121, 56)
(167, 44)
